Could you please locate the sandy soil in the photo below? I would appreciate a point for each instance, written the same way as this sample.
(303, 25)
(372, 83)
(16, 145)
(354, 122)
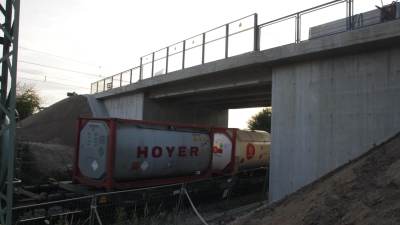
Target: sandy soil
(51, 132)
(52, 156)
(364, 191)
(56, 124)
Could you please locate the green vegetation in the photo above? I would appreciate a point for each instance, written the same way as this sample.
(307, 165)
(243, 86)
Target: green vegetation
(121, 216)
(27, 100)
(146, 217)
(261, 120)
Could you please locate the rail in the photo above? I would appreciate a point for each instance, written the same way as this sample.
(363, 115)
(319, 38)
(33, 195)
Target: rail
(244, 35)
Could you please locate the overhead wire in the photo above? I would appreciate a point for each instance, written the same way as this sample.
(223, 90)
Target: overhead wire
(50, 76)
(61, 57)
(52, 83)
(60, 68)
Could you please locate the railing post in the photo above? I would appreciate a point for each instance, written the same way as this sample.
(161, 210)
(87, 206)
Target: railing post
(140, 69)
(152, 65)
(130, 79)
(203, 48)
(112, 82)
(298, 28)
(104, 84)
(181, 196)
(92, 207)
(97, 87)
(183, 54)
(256, 35)
(349, 14)
(232, 180)
(120, 81)
(226, 40)
(264, 186)
(166, 64)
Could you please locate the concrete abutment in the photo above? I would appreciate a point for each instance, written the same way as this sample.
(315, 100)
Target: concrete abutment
(139, 106)
(329, 111)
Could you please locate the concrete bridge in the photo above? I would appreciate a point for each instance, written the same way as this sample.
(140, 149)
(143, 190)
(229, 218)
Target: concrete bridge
(333, 98)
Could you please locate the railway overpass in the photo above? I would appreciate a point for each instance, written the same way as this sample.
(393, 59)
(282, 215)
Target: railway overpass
(333, 97)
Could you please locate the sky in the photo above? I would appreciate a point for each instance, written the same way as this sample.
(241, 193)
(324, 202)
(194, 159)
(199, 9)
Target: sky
(67, 45)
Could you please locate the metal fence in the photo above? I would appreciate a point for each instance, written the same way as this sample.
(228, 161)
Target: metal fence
(245, 35)
(75, 211)
(182, 203)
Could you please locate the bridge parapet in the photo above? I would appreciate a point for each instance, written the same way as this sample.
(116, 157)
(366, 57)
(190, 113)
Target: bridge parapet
(246, 35)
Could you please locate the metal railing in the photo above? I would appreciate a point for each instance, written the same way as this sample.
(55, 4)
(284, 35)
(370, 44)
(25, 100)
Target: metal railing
(291, 29)
(215, 44)
(182, 203)
(245, 35)
(209, 46)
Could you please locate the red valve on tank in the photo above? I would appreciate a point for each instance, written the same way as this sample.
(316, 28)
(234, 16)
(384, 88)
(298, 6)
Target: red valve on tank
(217, 150)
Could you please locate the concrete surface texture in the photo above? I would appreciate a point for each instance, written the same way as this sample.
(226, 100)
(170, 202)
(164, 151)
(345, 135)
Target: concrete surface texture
(139, 106)
(97, 106)
(359, 20)
(129, 106)
(166, 111)
(329, 111)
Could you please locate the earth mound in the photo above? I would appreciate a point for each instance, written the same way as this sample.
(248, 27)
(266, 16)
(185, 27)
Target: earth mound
(363, 191)
(56, 124)
(51, 132)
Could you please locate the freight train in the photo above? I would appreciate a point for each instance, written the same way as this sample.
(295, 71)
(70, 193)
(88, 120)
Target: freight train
(117, 154)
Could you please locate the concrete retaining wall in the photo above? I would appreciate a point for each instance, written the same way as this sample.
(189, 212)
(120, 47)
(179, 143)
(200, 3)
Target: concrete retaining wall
(129, 106)
(328, 111)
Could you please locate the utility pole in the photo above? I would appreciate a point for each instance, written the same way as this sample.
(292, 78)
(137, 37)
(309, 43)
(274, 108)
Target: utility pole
(8, 62)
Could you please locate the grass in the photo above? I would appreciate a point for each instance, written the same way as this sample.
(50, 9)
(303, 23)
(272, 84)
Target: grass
(147, 217)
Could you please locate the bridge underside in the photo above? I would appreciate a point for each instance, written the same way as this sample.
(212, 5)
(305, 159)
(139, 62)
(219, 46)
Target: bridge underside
(229, 98)
(230, 89)
(202, 100)
(245, 96)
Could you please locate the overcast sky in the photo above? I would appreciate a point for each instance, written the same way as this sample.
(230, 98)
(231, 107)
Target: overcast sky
(97, 38)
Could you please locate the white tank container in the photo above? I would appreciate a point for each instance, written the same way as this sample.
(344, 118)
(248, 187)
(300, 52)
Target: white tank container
(252, 150)
(143, 151)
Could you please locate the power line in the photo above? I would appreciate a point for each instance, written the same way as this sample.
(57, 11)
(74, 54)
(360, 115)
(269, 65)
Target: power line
(44, 53)
(52, 83)
(60, 68)
(51, 39)
(51, 77)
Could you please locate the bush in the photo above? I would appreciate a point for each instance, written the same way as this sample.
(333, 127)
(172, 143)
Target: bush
(261, 120)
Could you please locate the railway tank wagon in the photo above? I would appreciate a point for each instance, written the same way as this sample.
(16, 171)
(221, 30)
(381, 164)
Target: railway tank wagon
(121, 154)
(235, 150)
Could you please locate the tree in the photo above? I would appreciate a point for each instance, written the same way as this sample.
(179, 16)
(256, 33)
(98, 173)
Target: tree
(27, 100)
(261, 120)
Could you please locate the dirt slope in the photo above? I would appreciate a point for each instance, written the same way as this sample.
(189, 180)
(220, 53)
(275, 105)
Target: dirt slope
(56, 124)
(51, 132)
(364, 191)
